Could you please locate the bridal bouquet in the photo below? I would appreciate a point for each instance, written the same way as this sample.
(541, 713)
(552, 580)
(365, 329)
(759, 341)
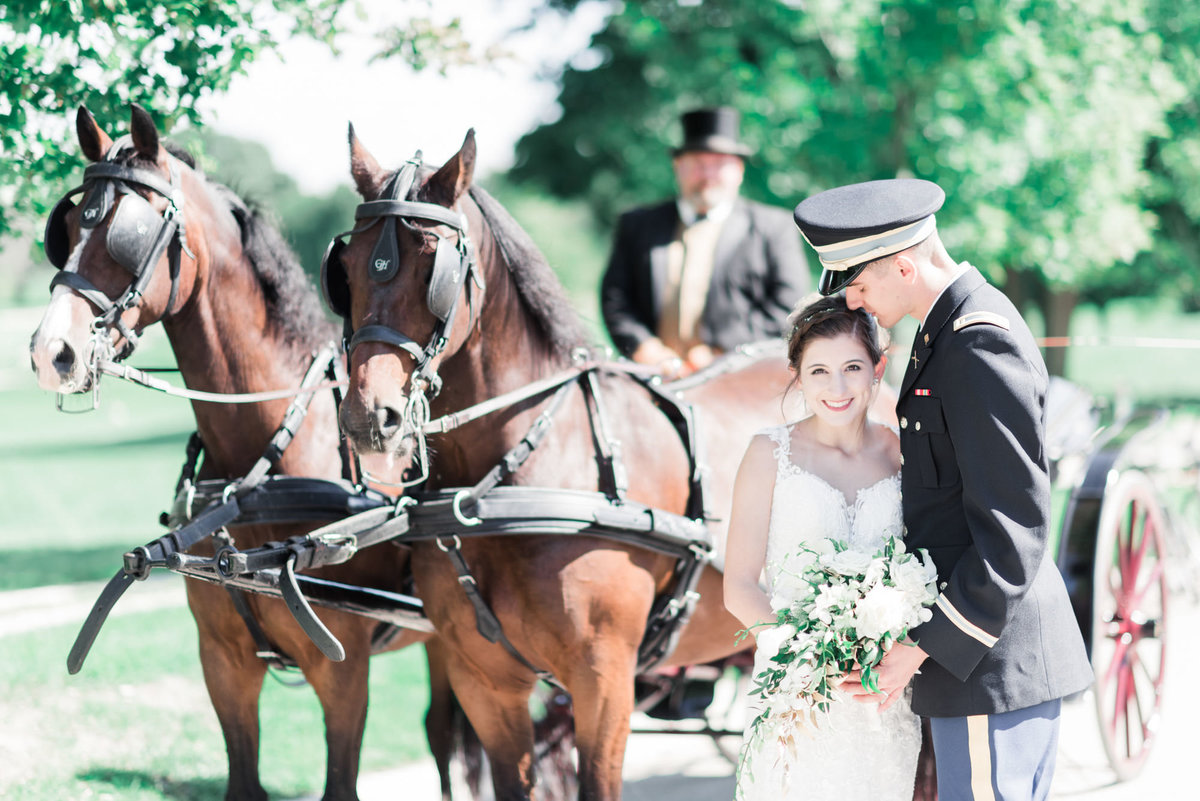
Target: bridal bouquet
(837, 609)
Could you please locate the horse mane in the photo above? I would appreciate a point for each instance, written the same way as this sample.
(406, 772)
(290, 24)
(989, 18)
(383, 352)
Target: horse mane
(292, 304)
(537, 285)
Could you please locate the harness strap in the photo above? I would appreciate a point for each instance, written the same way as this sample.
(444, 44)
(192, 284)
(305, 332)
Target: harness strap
(411, 209)
(486, 622)
(386, 335)
(516, 457)
(451, 421)
(608, 450)
(83, 287)
(683, 416)
(263, 648)
(296, 412)
(108, 170)
(518, 510)
(144, 379)
(138, 563)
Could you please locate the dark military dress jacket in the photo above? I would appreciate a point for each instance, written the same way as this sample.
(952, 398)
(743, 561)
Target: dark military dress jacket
(759, 274)
(976, 495)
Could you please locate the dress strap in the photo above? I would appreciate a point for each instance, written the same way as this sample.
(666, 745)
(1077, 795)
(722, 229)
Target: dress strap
(782, 437)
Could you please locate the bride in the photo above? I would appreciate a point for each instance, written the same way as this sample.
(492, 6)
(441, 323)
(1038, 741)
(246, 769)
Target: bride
(832, 475)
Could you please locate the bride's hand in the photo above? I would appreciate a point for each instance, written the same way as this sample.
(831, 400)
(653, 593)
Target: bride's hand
(894, 673)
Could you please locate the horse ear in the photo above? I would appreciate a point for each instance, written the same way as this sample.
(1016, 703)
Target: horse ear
(93, 141)
(454, 178)
(368, 176)
(145, 135)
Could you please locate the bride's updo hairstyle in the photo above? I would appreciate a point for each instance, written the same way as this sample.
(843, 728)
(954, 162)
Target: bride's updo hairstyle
(828, 317)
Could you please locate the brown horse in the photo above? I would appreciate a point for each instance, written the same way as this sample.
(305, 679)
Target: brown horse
(574, 606)
(241, 317)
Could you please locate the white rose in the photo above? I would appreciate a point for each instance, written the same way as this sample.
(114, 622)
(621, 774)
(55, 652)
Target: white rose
(821, 547)
(771, 640)
(915, 580)
(847, 563)
(881, 610)
(875, 573)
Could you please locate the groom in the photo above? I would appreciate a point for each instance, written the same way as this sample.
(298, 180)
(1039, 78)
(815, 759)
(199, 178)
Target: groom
(1003, 647)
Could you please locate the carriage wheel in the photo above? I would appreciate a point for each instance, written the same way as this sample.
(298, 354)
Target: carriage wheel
(1129, 611)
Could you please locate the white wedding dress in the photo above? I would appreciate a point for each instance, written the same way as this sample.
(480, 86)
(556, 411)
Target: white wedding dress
(855, 753)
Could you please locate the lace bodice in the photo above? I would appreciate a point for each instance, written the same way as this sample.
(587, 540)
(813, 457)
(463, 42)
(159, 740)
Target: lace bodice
(831, 764)
(805, 507)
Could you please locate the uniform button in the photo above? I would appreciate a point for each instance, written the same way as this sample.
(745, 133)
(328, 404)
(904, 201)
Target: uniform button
(917, 427)
(904, 422)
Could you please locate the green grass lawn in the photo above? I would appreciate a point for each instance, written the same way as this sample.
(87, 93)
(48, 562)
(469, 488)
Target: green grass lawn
(80, 489)
(136, 723)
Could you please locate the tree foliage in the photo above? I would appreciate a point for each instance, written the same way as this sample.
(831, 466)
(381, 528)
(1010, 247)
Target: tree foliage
(1034, 115)
(165, 56)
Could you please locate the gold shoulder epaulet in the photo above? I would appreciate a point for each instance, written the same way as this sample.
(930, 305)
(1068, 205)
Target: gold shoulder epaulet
(974, 318)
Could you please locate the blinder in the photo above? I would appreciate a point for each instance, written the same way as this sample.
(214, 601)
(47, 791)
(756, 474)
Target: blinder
(446, 281)
(55, 239)
(137, 235)
(333, 279)
(132, 232)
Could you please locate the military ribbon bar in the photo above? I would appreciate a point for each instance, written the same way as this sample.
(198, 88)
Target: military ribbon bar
(920, 392)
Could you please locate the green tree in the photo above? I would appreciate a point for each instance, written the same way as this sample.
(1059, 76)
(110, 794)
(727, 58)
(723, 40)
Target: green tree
(1034, 116)
(164, 55)
(58, 54)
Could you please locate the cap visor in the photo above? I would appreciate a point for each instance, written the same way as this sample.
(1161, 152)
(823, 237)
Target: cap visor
(834, 281)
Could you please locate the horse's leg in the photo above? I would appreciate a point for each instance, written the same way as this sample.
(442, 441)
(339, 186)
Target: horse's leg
(495, 698)
(602, 695)
(925, 787)
(439, 719)
(234, 678)
(342, 690)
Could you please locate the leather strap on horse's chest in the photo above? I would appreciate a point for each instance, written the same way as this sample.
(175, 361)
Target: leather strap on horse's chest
(608, 449)
(536, 510)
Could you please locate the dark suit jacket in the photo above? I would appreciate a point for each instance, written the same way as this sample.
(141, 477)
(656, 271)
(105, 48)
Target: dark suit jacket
(759, 274)
(976, 494)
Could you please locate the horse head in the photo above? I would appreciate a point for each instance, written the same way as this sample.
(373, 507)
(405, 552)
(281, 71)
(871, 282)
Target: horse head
(122, 253)
(406, 282)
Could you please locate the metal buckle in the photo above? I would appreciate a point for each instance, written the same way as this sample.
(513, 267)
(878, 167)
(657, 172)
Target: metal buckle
(444, 548)
(458, 512)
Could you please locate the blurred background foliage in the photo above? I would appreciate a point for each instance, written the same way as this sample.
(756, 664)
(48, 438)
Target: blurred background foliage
(1066, 132)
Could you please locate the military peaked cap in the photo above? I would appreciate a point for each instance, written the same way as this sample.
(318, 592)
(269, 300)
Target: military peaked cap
(851, 226)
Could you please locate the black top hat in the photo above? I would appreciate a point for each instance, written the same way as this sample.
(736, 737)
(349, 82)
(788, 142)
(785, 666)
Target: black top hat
(711, 130)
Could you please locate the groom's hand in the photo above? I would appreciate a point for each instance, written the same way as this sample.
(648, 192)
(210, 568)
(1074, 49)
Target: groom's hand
(894, 673)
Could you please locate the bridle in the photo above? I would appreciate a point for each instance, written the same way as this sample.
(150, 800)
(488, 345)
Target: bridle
(136, 238)
(453, 263)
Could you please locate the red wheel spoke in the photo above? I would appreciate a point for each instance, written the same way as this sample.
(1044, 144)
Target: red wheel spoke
(1120, 647)
(1138, 596)
(1137, 552)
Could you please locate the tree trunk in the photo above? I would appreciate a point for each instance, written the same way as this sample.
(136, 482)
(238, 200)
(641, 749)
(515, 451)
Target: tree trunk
(1057, 307)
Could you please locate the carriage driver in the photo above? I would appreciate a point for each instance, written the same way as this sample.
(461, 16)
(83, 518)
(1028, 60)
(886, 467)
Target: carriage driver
(1003, 647)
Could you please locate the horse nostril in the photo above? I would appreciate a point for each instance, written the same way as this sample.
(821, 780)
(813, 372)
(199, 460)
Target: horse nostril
(64, 358)
(387, 420)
